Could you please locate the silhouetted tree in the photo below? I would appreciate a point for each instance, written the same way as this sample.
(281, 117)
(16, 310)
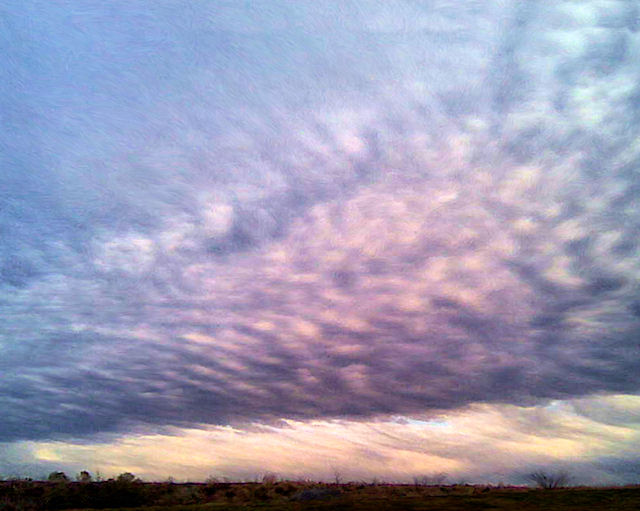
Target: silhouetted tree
(58, 477)
(550, 480)
(127, 477)
(84, 477)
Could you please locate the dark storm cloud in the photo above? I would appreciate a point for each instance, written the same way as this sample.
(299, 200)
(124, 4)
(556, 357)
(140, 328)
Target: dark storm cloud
(215, 215)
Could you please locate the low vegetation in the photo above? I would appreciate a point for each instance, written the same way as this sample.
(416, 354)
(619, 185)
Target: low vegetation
(126, 491)
(550, 480)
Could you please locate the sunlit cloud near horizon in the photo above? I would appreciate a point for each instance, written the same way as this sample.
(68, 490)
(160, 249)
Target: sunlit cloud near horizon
(374, 239)
(595, 439)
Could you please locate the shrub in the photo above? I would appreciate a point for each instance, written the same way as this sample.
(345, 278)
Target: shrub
(58, 477)
(550, 480)
(269, 478)
(285, 489)
(315, 494)
(128, 478)
(260, 493)
(123, 492)
(84, 477)
(430, 479)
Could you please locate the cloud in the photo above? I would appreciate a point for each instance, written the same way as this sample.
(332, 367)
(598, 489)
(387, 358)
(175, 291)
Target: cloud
(310, 229)
(480, 443)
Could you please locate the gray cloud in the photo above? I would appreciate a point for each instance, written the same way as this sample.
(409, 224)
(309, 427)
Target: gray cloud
(318, 215)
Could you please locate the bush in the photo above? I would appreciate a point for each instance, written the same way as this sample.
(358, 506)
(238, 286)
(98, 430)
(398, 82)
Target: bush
(269, 478)
(84, 477)
(123, 492)
(260, 493)
(430, 479)
(127, 478)
(285, 489)
(550, 480)
(58, 477)
(211, 488)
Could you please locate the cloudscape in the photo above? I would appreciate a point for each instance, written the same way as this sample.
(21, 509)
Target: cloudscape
(380, 238)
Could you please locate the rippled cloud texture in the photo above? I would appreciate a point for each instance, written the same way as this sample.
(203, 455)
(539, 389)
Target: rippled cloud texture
(221, 214)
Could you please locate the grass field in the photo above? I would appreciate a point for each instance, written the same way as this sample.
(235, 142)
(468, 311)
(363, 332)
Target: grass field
(309, 496)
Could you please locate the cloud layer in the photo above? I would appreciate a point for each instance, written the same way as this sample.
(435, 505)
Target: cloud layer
(307, 213)
(595, 439)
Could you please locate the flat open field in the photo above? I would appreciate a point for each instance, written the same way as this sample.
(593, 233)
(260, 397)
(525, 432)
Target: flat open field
(307, 496)
(392, 499)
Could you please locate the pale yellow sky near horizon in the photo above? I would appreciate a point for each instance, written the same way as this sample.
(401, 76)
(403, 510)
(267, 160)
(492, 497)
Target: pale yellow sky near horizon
(480, 443)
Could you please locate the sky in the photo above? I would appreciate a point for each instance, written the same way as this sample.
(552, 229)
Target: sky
(373, 239)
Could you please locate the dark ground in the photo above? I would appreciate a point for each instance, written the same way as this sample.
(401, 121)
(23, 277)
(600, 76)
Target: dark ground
(33, 495)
